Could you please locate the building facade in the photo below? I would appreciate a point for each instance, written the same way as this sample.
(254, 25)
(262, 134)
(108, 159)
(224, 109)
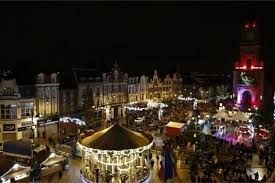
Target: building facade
(248, 74)
(115, 93)
(138, 89)
(17, 110)
(166, 88)
(47, 94)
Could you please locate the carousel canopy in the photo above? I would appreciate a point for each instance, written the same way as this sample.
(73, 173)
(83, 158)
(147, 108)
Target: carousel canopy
(240, 116)
(222, 114)
(117, 137)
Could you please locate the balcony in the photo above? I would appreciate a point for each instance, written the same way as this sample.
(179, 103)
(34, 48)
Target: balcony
(10, 96)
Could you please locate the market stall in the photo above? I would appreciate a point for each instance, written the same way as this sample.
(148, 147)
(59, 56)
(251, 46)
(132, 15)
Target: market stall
(173, 129)
(222, 114)
(54, 163)
(21, 151)
(263, 134)
(115, 154)
(12, 171)
(239, 116)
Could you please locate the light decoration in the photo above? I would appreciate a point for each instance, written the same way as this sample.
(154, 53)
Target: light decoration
(75, 120)
(241, 68)
(256, 67)
(114, 152)
(150, 105)
(246, 79)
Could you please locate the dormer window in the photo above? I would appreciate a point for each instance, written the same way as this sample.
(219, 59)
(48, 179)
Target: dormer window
(53, 79)
(40, 79)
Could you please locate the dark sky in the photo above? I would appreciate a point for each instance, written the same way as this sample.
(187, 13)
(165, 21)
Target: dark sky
(141, 36)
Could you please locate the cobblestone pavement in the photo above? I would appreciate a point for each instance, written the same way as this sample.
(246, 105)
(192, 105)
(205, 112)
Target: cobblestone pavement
(72, 175)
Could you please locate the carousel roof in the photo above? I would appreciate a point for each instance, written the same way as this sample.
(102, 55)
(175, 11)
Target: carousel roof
(118, 138)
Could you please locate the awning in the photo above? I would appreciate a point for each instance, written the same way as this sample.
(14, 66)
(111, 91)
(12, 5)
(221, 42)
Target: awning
(239, 116)
(53, 159)
(15, 171)
(222, 115)
(174, 129)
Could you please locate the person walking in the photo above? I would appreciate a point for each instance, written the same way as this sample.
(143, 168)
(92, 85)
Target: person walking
(60, 174)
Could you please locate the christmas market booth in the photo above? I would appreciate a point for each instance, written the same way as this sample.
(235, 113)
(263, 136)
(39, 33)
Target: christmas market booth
(116, 154)
(54, 163)
(11, 171)
(173, 129)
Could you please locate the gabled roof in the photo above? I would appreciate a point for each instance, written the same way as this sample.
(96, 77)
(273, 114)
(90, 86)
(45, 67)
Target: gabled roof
(118, 138)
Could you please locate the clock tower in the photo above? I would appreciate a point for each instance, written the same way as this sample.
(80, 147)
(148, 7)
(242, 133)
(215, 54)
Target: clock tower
(248, 74)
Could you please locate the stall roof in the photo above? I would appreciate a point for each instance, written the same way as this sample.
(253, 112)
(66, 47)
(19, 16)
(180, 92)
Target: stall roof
(53, 159)
(18, 148)
(16, 169)
(239, 116)
(175, 124)
(222, 114)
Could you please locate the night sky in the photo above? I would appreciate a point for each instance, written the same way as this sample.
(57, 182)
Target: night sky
(141, 36)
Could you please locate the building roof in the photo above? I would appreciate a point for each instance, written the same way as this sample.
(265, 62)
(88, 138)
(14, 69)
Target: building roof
(27, 91)
(18, 148)
(118, 138)
(175, 124)
(87, 75)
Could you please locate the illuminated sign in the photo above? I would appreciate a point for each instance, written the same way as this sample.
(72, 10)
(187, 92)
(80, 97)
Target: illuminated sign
(247, 79)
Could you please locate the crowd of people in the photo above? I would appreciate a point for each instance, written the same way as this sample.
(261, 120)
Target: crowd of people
(217, 160)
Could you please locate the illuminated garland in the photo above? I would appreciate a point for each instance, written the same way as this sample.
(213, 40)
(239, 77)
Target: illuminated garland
(114, 152)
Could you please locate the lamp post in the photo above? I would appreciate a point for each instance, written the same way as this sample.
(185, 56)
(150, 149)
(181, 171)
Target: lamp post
(33, 129)
(45, 120)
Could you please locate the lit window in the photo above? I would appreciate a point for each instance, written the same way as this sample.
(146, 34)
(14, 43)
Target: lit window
(8, 111)
(26, 109)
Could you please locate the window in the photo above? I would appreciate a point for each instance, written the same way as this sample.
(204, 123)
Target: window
(40, 79)
(8, 111)
(41, 95)
(53, 79)
(26, 109)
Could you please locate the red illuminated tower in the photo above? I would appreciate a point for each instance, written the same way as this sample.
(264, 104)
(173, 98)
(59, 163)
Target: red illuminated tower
(248, 74)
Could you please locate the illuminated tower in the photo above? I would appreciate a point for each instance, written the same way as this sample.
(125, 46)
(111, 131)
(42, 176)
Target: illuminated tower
(248, 74)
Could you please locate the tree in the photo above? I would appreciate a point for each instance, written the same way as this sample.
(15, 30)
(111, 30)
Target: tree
(89, 109)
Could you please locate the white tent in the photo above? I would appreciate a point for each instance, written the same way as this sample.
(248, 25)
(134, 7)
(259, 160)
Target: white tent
(222, 114)
(53, 159)
(239, 116)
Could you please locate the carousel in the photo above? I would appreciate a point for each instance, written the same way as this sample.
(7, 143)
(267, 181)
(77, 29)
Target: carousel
(115, 154)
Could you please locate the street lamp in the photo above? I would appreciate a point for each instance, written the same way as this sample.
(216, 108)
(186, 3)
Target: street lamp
(47, 103)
